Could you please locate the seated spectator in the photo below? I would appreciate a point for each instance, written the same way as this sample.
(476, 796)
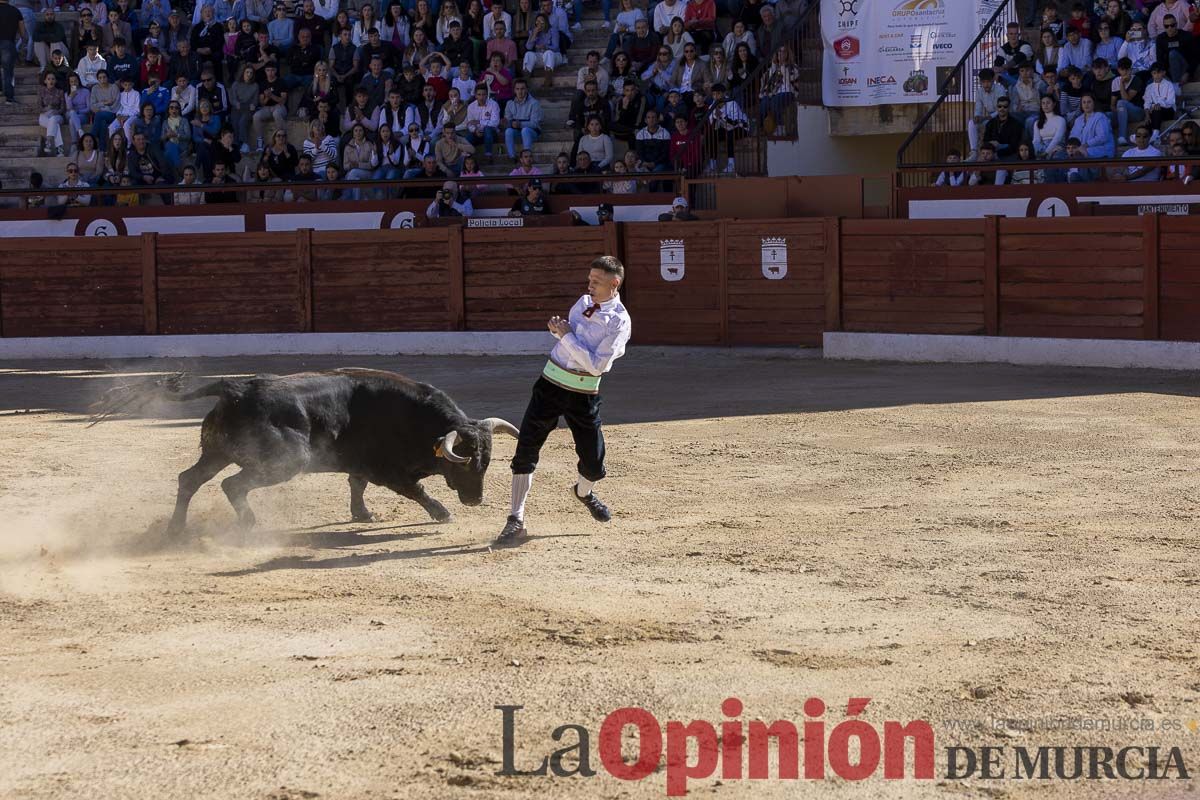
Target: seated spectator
(176, 135)
(281, 157)
(281, 30)
(359, 159)
(1098, 82)
(500, 43)
(1141, 149)
(176, 33)
(653, 144)
(414, 148)
(522, 120)
(320, 147)
(499, 80)
(149, 124)
(454, 112)
(1077, 53)
(1175, 49)
(666, 11)
(542, 49)
(272, 104)
(214, 92)
(258, 191)
(739, 34)
(185, 95)
(394, 28)
(685, 147)
(375, 82)
(1159, 101)
(391, 155)
(621, 74)
(146, 166)
(497, 16)
(74, 181)
(676, 39)
(59, 68)
(225, 151)
(124, 199)
(410, 84)
(1191, 137)
(463, 81)
(532, 202)
(52, 109)
(116, 158)
(48, 35)
(156, 95)
(676, 107)
(641, 47)
(597, 144)
(986, 97)
(585, 107)
(429, 171)
(623, 30)
(1004, 132)
(449, 203)
(121, 64)
(449, 151)
(360, 112)
(302, 63)
(77, 101)
(89, 65)
(1183, 171)
(221, 177)
(629, 114)
(304, 174)
(87, 32)
(952, 177)
(206, 130)
(184, 63)
(1094, 132)
(1049, 130)
(622, 185)
(524, 168)
(425, 113)
(592, 71)
(1128, 95)
(680, 212)
(585, 167)
(89, 160)
(483, 122)
(987, 155)
(186, 198)
(769, 36)
(1069, 96)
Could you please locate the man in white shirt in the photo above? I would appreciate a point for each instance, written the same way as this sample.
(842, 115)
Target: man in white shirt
(985, 107)
(483, 121)
(497, 14)
(1141, 149)
(592, 337)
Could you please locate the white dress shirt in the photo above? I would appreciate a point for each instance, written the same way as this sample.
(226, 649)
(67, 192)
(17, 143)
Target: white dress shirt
(1160, 93)
(595, 341)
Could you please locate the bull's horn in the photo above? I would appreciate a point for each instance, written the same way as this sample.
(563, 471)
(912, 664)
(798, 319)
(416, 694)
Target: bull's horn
(446, 449)
(503, 426)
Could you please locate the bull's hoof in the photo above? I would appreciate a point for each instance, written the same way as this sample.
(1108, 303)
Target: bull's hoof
(441, 516)
(365, 516)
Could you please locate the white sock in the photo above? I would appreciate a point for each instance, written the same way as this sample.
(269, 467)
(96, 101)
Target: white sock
(520, 491)
(584, 487)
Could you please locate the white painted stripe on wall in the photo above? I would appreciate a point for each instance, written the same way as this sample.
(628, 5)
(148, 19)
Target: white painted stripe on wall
(460, 343)
(968, 209)
(224, 223)
(338, 221)
(1121, 353)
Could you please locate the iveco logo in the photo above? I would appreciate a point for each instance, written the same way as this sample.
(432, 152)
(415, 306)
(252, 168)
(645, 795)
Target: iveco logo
(943, 46)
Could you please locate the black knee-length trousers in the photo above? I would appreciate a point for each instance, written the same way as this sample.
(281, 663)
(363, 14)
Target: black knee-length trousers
(582, 412)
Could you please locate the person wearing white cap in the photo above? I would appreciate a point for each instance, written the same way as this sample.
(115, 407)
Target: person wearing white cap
(679, 212)
(592, 337)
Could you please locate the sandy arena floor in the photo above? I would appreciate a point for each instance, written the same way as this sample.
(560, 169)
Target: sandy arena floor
(958, 543)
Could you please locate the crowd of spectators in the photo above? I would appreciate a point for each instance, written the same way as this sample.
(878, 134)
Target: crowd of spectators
(148, 93)
(1102, 83)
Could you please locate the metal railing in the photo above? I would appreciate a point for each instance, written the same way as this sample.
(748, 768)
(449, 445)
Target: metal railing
(768, 106)
(944, 126)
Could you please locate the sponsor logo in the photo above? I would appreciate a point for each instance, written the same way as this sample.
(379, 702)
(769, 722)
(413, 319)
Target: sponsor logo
(895, 35)
(891, 50)
(848, 7)
(943, 45)
(847, 47)
(881, 80)
(847, 81)
(916, 41)
(909, 8)
(917, 82)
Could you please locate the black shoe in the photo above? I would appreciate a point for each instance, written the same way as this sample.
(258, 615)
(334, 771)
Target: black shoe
(514, 529)
(600, 512)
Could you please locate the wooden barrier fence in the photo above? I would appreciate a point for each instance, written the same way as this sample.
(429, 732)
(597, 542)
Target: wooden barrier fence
(722, 282)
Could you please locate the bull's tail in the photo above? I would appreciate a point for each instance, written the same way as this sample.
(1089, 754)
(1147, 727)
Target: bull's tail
(130, 398)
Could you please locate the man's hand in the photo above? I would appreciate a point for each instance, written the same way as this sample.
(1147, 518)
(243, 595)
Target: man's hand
(559, 326)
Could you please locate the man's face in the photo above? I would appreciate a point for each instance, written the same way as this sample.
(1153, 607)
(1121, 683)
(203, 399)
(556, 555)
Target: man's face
(601, 285)
(305, 37)
(561, 163)
(1175, 138)
(1099, 72)
(343, 36)
(1002, 110)
(1072, 150)
(1178, 149)
(394, 101)
(591, 90)
(651, 119)
(184, 47)
(430, 165)
(986, 84)
(1142, 138)
(429, 93)
(526, 158)
(593, 61)
(1171, 27)
(1013, 35)
(305, 167)
(376, 67)
(642, 28)
(270, 70)
(139, 141)
(520, 90)
(481, 96)
(583, 161)
(1076, 81)
(987, 154)
(448, 132)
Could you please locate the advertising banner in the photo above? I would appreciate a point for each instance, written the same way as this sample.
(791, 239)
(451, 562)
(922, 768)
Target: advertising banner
(894, 51)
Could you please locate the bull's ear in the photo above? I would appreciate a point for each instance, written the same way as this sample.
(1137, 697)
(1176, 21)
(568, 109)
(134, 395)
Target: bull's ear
(498, 425)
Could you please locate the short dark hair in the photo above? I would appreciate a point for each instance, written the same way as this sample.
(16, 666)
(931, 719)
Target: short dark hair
(1074, 140)
(987, 75)
(611, 265)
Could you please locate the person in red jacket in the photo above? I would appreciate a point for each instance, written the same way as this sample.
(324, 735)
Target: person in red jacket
(685, 147)
(153, 64)
(700, 20)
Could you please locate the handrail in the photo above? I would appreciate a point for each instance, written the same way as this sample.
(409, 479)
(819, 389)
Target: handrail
(158, 189)
(965, 80)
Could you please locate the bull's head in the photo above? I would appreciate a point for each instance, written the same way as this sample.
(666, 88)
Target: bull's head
(466, 453)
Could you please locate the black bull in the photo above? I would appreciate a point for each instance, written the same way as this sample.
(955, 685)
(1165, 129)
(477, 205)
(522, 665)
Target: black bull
(378, 427)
